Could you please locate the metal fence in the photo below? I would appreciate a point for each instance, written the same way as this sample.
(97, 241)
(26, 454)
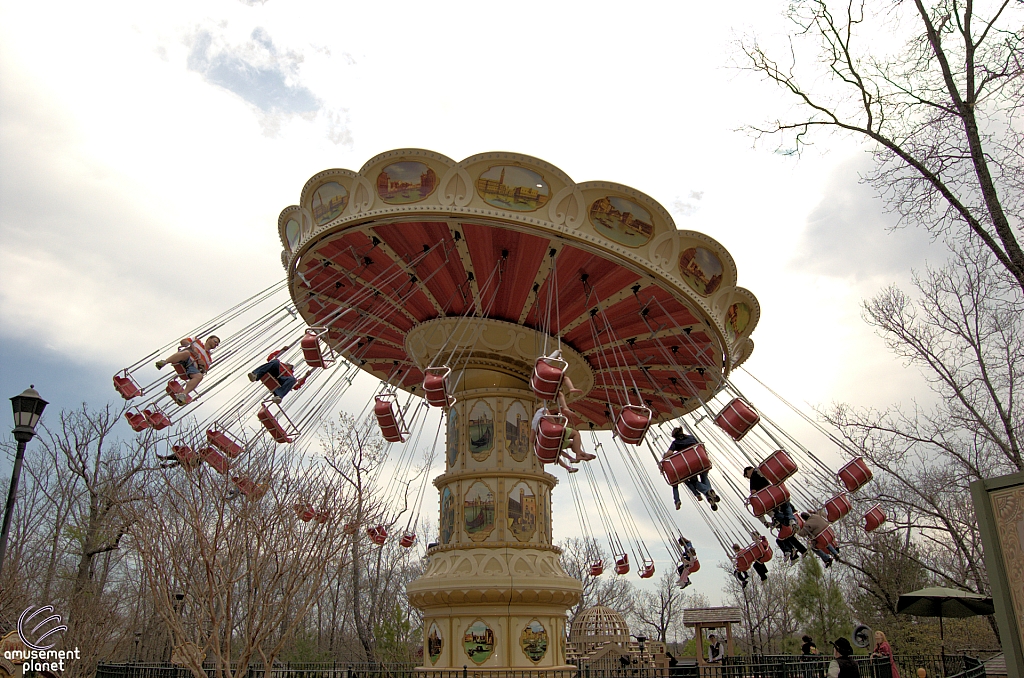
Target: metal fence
(773, 666)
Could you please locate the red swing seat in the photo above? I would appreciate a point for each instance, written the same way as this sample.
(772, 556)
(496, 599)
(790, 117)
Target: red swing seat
(305, 512)
(127, 386)
(280, 433)
(737, 418)
(174, 388)
(435, 386)
(156, 417)
(648, 570)
(249, 488)
(778, 467)
(754, 553)
(837, 507)
(407, 540)
(855, 474)
(186, 456)
(622, 564)
(788, 531)
(378, 535)
(215, 459)
(694, 565)
(684, 464)
(825, 539)
(767, 499)
(597, 568)
(873, 518)
(632, 423)
(322, 517)
(224, 441)
(136, 419)
(548, 374)
(313, 351)
(391, 423)
(550, 432)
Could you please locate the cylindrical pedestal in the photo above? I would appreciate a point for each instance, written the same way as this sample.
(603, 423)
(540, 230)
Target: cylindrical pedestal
(494, 594)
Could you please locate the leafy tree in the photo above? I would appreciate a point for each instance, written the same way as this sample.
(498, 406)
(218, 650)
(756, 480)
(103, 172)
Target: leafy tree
(818, 604)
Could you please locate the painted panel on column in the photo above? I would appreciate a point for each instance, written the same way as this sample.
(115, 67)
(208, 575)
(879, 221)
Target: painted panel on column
(522, 511)
(478, 641)
(435, 642)
(517, 431)
(447, 516)
(481, 431)
(479, 511)
(534, 641)
(453, 437)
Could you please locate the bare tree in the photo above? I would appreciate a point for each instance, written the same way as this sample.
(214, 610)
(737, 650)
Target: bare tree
(235, 575)
(378, 573)
(68, 541)
(766, 607)
(941, 114)
(578, 554)
(965, 330)
(660, 612)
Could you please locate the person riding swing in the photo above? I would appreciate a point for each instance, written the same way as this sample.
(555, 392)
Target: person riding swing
(282, 372)
(195, 359)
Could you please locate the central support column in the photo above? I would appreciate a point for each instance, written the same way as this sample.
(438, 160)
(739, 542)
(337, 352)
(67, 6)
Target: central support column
(494, 594)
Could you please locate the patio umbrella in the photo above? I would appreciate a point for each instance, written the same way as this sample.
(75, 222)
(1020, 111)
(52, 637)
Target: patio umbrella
(940, 602)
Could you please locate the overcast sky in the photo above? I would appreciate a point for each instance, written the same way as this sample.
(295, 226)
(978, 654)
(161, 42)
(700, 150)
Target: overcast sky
(146, 150)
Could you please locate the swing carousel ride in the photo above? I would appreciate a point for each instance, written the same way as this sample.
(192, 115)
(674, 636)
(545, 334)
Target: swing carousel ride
(476, 293)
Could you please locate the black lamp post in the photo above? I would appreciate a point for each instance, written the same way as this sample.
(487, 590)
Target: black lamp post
(28, 407)
(641, 640)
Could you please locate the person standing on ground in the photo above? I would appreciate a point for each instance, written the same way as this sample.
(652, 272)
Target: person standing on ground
(843, 665)
(808, 648)
(884, 650)
(715, 651)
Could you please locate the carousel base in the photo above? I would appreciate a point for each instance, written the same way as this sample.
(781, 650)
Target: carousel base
(495, 609)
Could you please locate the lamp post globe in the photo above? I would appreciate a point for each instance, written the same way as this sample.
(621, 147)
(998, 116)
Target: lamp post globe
(28, 408)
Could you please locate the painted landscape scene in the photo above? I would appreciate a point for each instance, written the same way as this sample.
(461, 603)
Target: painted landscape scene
(513, 188)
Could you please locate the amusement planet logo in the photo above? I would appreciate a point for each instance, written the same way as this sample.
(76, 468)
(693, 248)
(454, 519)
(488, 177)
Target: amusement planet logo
(37, 628)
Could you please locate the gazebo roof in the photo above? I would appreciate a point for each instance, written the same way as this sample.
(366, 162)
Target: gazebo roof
(711, 615)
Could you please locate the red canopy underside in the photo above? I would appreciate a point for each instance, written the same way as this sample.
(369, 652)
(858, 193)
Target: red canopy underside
(642, 341)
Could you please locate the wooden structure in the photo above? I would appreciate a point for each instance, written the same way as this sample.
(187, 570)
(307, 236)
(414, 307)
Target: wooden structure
(711, 618)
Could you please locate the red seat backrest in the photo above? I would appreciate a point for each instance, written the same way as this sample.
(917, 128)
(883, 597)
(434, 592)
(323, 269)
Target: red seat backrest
(855, 474)
(874, 518)
(777, 467)
(215, 459)
(270, 423)
(157, 419)
(764, 500)
(223, 442)
(127, 387)
(547, 377)
(837, 507)
(311, 352)
(737, 418)
(137, 420)
(685, 464)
